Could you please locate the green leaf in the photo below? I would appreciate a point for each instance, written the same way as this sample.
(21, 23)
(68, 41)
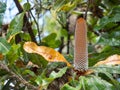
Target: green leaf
(115, 34)
(64, 33)
(102, 23)
(25, 36)
(37, 59)
(62, 18)
(4, 46)
(53, 75)
(59, 74)
(25, 72)
(82, 83)
(115, 18)
(26, 6)
(1, 20)
(115, 10)
(107, 68)
(89, 83)
(20, 0)
(39, 78)
(108, 41)
(58, 4)
(95, 83)
(105, 52)
(44, 81)
(16, 26)
(51, 36)
(2, 10)
(51, 41)
(65, 5)
(107, 21)
(68, 87)
(13, 53)
(2, 7)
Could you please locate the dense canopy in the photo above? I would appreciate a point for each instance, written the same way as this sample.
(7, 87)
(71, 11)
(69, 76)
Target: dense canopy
(37, 44)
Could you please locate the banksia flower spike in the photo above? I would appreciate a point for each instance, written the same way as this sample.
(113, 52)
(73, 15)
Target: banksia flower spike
(80, 49)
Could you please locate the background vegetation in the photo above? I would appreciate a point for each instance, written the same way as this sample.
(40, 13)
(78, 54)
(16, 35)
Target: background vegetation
(51, 23)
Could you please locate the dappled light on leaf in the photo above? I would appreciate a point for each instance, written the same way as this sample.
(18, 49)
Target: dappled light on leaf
(48, 53)
(111, 60)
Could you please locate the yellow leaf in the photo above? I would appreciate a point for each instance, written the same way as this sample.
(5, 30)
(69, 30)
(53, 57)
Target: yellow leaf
(10, 38)
(67, 6)
(111, 60)
(48, 53)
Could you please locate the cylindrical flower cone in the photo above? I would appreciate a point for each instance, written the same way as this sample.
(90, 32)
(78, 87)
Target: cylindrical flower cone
(80, 49)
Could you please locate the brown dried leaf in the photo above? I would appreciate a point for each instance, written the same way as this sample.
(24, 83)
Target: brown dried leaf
(1, 56)
(111, 60)
(48, 53)
(19, 64)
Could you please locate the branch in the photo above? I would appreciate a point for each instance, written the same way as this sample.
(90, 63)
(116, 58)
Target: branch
(36, 25)
(19, 78)
(27, 25)
(85, 16)
(18, 6)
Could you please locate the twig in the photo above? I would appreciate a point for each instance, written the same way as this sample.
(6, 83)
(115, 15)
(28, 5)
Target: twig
(35, 23)
(19, 78)
(85, 16)
(43, 22)
(68, 43)
(62, 45)
(68, 37)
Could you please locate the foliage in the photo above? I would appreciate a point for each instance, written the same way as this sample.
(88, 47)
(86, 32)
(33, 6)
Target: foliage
(2, 10)
(28, 65)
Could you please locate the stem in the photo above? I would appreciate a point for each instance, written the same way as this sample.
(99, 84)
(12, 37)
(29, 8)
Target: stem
(68, 43)
(19, 78)
(36, 25)
(80, 51)
(27, 25)
(85, 16)
(62, 45)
